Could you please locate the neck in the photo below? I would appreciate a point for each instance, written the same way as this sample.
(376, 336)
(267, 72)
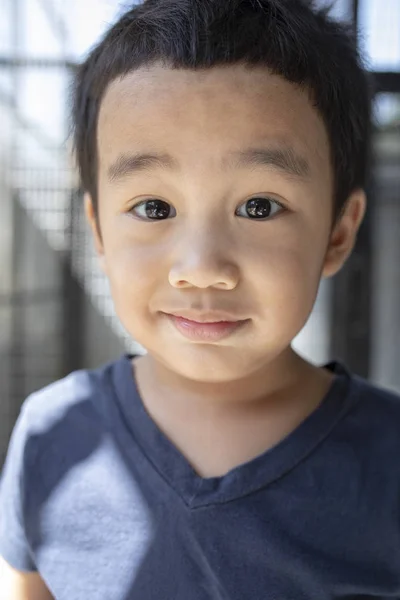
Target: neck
(268, 383)
(218, 426)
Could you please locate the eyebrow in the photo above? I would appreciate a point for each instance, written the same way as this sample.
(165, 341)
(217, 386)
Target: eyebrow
(282, 158)
(128, 164)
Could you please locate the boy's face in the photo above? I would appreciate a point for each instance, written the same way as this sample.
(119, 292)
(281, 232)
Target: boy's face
(241, 200)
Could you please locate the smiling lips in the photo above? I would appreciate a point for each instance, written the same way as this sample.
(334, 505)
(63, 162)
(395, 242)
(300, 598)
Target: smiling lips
(206, 328)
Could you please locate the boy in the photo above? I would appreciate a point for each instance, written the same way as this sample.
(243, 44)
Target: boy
(222, 146)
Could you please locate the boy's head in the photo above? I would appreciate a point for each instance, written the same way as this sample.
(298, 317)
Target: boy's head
(223, 147)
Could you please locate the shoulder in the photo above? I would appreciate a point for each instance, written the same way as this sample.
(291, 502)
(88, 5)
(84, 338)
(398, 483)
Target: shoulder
(68, 413)
(61, 428)
(374, 417)
(373, 399)
(46, 406)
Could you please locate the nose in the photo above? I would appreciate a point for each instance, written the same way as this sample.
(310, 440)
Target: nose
(204, 260)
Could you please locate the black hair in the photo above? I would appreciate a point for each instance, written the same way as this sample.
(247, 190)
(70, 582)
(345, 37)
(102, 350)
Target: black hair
(291, 38)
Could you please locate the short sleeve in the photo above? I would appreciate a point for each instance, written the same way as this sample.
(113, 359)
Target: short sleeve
(14, 547)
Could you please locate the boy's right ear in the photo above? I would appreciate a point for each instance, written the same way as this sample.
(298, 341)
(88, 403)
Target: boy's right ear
(92, 219)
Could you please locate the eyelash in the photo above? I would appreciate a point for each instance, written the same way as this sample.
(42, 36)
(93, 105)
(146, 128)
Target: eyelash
(143, 203)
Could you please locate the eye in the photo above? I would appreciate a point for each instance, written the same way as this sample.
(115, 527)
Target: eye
(259, 208)
(153, 210)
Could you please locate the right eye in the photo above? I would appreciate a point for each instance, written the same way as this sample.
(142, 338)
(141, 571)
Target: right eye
(153, 210)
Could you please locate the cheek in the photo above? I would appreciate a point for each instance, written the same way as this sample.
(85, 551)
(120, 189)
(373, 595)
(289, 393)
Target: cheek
(133, 271)
(286, 274)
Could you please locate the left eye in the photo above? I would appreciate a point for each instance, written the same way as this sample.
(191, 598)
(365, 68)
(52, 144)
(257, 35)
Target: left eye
(259, 208)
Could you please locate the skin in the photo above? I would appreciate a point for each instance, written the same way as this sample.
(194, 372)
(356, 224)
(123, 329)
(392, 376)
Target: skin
(16, 585)
(221, 403)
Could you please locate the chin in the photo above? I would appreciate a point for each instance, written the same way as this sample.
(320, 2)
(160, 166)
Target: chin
(209, 364)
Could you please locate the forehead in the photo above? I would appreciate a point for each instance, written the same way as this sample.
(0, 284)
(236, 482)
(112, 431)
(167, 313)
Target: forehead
(208, 113)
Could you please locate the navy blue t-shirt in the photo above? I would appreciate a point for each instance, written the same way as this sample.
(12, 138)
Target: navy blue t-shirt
(103, 505)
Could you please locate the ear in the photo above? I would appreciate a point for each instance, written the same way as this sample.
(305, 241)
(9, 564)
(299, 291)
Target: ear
(344, 235)
(92, 219)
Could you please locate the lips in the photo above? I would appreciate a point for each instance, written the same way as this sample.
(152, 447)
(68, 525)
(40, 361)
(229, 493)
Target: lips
(205, 327)
(206, 316)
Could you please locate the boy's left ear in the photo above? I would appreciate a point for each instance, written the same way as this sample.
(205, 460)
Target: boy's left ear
(344, 235)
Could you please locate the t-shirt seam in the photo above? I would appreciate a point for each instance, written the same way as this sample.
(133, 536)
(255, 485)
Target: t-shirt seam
(188, 503)
(142, 450)
(289, 470)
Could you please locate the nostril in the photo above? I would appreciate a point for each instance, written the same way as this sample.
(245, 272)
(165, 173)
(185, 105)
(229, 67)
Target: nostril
(204, 274)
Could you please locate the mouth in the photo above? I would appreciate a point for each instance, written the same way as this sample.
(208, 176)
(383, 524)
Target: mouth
(211, 327)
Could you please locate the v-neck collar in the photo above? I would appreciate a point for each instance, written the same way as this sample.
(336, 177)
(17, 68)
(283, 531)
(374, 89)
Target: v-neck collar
(247, 478)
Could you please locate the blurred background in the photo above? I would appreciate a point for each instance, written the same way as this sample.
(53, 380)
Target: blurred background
(56, 314)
